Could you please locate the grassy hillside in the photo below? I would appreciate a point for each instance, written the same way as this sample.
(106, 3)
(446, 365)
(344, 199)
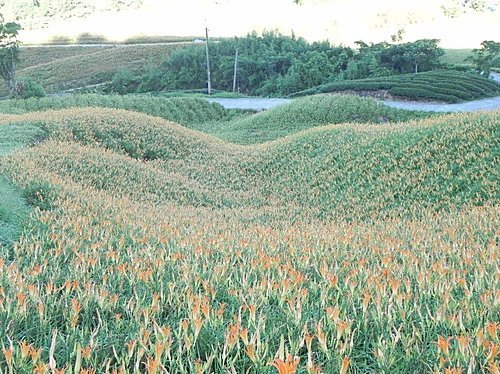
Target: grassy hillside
(73, 67)
(155, 245)
(305, 113)
(389, 159)
(456, 56)
(183, 110)
(441, 85)
(231, 125)
(34, 56)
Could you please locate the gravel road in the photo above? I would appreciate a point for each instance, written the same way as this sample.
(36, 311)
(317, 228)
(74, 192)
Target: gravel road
(252, 103)
(470, 106)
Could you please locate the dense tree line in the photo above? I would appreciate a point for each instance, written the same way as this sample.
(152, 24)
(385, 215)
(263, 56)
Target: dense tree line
(275, 64)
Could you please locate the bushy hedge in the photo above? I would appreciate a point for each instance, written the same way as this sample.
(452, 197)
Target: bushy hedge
(444, 85)
(419, 93)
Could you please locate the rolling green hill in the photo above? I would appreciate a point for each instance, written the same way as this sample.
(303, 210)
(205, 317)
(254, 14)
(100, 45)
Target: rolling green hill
(183, 110)
(305, 113)
(231, 125)
(143, 243)
(299, 159)
(441, 85)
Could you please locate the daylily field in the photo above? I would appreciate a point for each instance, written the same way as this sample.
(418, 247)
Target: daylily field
(367, 244)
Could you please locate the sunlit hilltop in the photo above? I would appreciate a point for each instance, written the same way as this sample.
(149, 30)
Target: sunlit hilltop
(340, 21)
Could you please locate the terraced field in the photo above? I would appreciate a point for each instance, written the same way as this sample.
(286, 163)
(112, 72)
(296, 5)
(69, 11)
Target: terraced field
(439, 85)
(59, 69)
(349, 247)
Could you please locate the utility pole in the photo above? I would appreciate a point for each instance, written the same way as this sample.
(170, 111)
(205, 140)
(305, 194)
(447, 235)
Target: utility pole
(235, 70)
(209, 83)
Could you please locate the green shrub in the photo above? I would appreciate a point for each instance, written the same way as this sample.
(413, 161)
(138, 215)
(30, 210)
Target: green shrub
(31, 89)
(123, 82)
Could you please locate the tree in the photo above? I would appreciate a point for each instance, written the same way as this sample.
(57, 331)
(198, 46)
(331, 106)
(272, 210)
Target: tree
(483, 58)
(423, 51)
(416, 56)
(9, 55)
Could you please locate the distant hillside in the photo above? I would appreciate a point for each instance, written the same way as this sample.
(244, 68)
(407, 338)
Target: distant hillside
(40, 16)
(62, 68)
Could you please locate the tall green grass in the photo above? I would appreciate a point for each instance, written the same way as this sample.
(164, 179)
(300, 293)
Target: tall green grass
(13, 208)
(351, 170)
(242, 127)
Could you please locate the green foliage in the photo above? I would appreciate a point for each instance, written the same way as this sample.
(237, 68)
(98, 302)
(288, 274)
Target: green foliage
(151, 80)
(268, 64)
(303, 114)
(183, 110)
(486, 57)
(15, 136)
(39, 195)
(13, 213)
(123, 82)
(31, 88)
(351, 232)
(273, 64)
(9, 55)
(456, 56)
(421, 55)
(444, 85)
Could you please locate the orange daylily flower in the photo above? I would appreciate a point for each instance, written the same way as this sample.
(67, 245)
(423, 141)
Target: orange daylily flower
(444, 345)
(286, 367)
(492, 329)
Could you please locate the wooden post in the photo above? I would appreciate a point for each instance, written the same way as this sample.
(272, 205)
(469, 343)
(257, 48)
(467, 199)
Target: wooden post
(209, 83)
(235, 70)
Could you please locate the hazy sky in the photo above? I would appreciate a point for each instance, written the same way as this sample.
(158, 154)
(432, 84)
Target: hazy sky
(341, 21)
